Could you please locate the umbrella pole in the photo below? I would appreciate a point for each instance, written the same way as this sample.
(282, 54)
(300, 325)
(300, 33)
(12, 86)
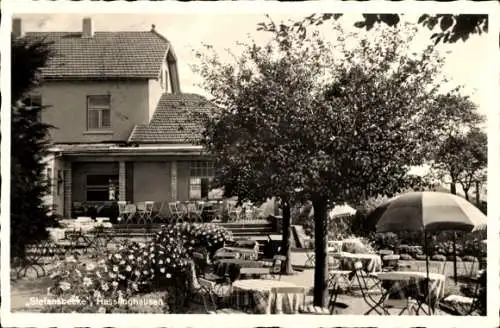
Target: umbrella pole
(427, 272)
(455, 256)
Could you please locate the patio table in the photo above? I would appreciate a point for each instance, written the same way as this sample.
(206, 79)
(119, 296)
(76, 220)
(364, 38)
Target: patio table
(371, 262)
(256, 294)
(401, 284)
(231, 267)
(243, 253)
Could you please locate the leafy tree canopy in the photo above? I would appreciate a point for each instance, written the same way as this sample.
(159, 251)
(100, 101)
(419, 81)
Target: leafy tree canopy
(452, 28)
(29, 139)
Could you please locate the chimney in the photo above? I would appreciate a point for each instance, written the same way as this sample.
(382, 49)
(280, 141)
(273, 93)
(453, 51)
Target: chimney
(17, 28)
(87, 31)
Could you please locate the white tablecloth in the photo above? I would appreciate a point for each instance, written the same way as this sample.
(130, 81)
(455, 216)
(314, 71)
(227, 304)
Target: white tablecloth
(257, 293)
(436, 285)
(371, 262)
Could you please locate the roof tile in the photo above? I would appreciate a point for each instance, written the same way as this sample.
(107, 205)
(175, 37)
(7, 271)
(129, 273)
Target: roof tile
(105, 55)
(174, 120)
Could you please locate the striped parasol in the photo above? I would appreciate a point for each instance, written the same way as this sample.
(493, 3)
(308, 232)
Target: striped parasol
(429, 211)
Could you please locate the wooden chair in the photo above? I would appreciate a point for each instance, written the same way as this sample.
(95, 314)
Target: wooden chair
(194, 211)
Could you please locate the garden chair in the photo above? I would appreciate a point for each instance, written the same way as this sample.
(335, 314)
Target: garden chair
(212, 306)
(129, 213)
(277, 266)
(194, 211)
(157, 212)
(368, 289)
(144, 211)
(234, 212)
(121, 209)
(177, 212)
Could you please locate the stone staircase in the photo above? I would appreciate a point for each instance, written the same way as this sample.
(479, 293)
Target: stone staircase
(256, 229)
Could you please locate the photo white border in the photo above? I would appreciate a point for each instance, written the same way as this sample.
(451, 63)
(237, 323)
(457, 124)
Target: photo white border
(491, 74)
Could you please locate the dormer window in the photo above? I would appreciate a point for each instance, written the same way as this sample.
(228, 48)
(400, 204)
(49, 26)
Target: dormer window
(98, 112)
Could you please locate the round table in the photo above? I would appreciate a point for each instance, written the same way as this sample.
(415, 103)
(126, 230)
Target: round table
(371, 262)
(255, 294)
(401, 284)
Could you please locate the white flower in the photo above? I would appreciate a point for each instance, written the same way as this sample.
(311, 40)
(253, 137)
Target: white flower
(105, 286)
(97, 294)
(112, 275)
(131, 257)
(118, 256)
(160, 262)
(128, 268)
(168, 259)
(114, 283)
(102, 309)
(87, 281)
(145, 272)
(135, 286)
(122, 262)
(115, 268)
(90, 266)
(64, 285)
(98, 274)
(144, 261)
(162, 270)
(168, 275)
(122, 277)
(137, 273)
(78, 273)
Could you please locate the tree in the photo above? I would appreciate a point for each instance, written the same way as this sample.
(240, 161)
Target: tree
(29, 144)
(340, 124)
(453, 27)
(463, 158)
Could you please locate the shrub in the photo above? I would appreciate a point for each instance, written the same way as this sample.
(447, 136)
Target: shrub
(386, 241)
(420, 257)
(133, 268)
(406, 257)
(438, 257)
(195, 236)
(358, 246)
(468, 258)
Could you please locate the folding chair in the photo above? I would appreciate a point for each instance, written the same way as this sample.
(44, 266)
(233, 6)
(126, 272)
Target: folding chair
(368, 290)
(233, 211)
(277, 266)
(310, 259)
(144, 211)
(121, 209)
(177, 212)
(129, 213)
(194, 211)
(210, 303)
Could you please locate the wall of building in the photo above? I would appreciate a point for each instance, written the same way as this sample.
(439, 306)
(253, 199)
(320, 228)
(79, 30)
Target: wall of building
(151, 181)
(183, 174)
(67, 109)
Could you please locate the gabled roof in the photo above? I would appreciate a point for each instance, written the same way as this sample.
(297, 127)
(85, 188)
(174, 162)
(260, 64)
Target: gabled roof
(175, 120)
(105, 55)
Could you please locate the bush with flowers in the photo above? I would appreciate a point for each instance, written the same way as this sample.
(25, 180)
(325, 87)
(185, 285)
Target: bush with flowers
(132, 269)
(195, 236)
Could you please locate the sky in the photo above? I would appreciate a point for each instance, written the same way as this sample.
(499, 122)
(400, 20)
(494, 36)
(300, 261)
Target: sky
(188, 31)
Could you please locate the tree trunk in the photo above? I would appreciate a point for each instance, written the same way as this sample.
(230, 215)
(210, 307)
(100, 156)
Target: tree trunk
(453, 187)
(478, 200)
(466, 191)
(320, 243)
(286, 248)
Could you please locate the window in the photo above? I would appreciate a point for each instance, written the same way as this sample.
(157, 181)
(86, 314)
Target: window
(100, 187)
(34, 102)
(201, 174)
(98, 112)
